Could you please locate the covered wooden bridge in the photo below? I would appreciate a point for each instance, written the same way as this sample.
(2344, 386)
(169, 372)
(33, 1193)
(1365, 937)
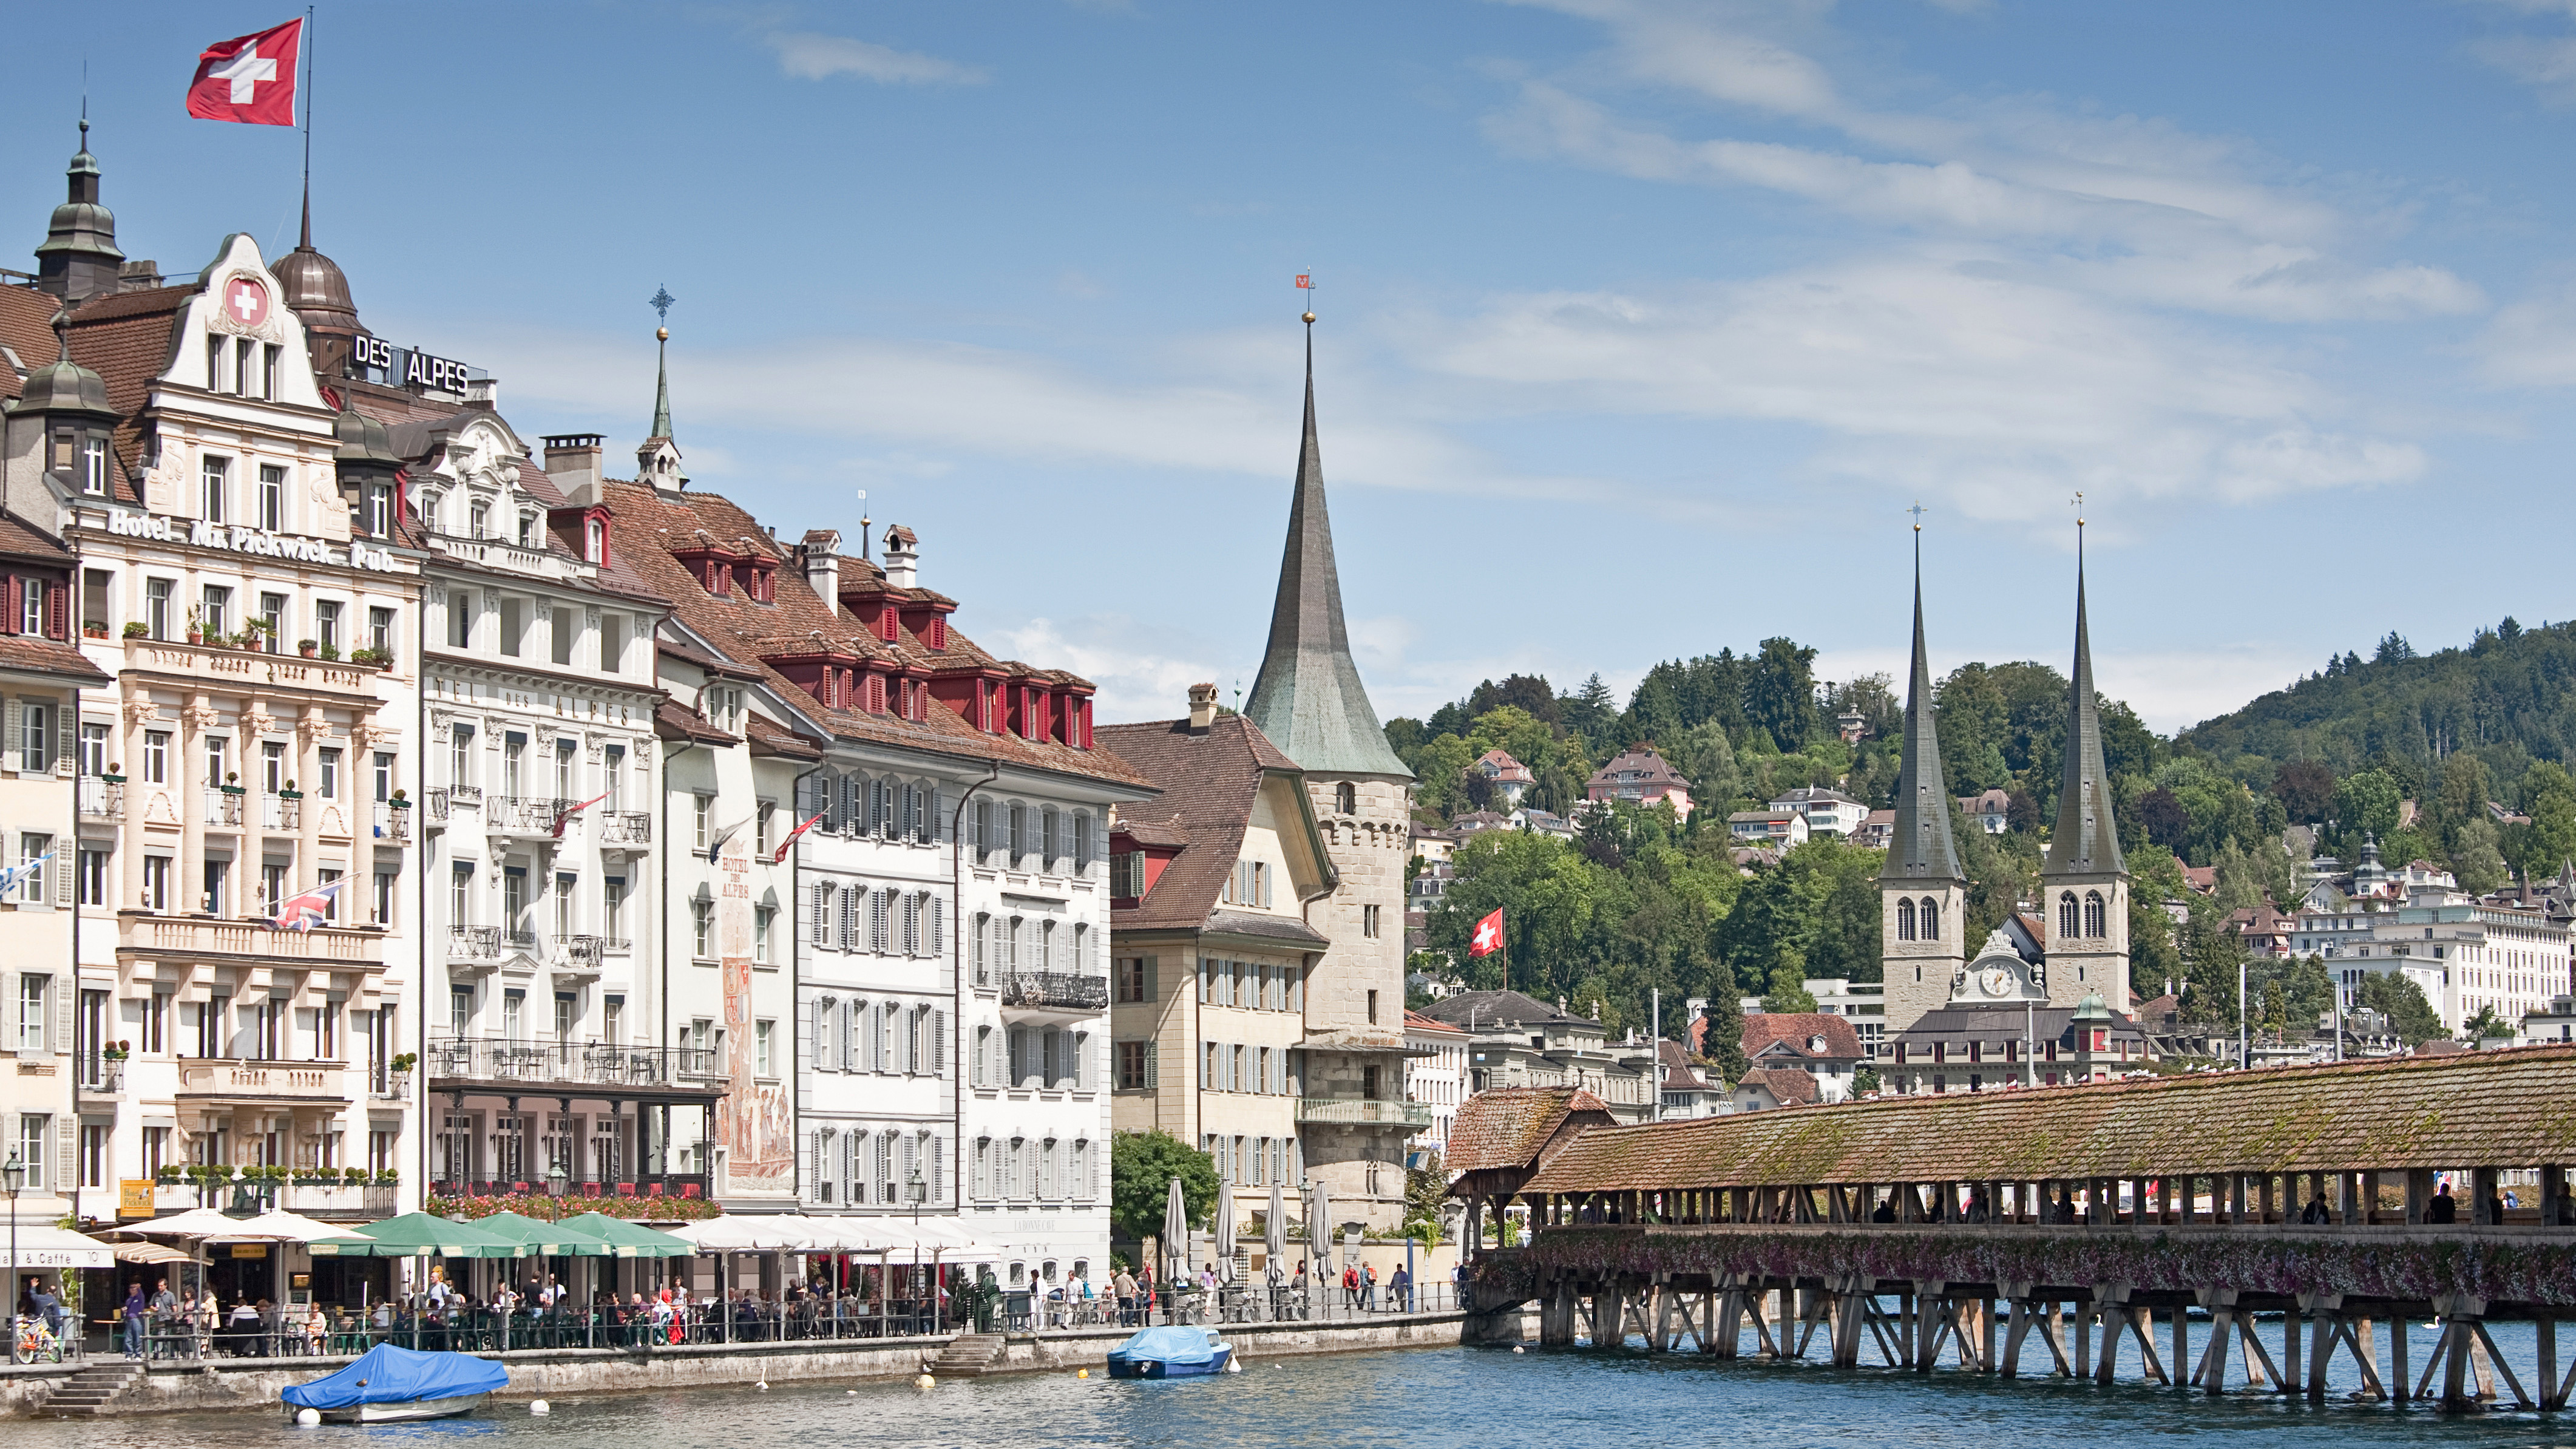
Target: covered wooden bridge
(1997, 1225)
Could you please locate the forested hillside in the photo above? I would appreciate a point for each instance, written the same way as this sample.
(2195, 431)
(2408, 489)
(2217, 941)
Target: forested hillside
(1643, 900)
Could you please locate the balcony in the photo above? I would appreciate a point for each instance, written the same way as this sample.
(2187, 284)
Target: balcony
(224, 806)
(524, 814)
(202, 936)
(436, 799)
(281, 812)
(474, 943)
(625, 827)
(101, 797)
(245, 669)
(465, 1059)
(1361, 1112)
(519, 938)
(583, 953)
(645, 1185)
(102, 1077)
(262, 1082)
(1054, 992)
(393, 821)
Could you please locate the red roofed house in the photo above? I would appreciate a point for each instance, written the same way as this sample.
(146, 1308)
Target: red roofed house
(1511, 778)
(1505, 1134)
(1823, 1046)
(1640, 777)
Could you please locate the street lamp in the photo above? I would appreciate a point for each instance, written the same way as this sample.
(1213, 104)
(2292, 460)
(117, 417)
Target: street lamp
(915, 1189)
(13, 1176)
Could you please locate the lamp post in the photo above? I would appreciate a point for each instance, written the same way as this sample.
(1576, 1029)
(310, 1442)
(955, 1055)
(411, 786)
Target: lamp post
(13, 1176)
(914, 1190)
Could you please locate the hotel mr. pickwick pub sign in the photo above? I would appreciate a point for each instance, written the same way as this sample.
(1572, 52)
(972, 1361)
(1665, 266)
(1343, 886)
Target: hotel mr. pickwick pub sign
(235, 538)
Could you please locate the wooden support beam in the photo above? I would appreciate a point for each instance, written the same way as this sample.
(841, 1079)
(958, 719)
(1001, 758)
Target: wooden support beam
(2397, 1331)
(2545, 1329)
(2520, 1399)
(2290, 1349)
(2182, 1343)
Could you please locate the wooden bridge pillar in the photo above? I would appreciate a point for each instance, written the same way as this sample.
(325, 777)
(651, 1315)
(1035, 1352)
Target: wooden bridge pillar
(2029, 1312)
(2464, 1338)
(2333, 1330)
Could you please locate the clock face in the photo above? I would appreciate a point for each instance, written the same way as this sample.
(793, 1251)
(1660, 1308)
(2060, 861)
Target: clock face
(1995, 980)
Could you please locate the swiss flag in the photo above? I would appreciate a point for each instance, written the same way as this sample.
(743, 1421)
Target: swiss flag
(1489, 935)
(249, 79)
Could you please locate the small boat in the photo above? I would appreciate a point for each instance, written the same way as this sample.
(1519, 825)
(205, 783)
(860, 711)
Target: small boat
(393, 1385)
(1170, 1353)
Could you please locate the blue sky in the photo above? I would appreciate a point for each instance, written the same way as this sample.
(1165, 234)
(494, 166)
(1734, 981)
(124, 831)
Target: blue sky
(1642, 323)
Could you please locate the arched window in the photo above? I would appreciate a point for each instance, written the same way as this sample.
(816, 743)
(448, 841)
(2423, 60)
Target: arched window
(1931, 919)
(1905, 920)
(2093, 924)
(1346, 799)
(2066, 916)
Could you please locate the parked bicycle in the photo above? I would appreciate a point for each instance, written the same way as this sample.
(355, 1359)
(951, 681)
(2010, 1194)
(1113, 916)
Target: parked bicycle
(34, 1341)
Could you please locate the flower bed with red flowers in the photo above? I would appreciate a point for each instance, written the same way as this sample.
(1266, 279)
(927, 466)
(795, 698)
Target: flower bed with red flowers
(2412, 1268)
(548, 1208)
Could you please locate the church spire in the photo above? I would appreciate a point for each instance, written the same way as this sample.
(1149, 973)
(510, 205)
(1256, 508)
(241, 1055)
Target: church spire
(1308, 698)
(2087, 838)
(1921, 846)
(657, 461)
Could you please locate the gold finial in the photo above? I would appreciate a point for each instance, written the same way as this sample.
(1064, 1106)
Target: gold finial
(1310, 319)
(661, 334)
(2079, 508)
(1918, 510)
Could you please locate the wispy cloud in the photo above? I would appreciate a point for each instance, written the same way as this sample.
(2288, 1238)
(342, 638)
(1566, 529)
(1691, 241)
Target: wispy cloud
(811, 55)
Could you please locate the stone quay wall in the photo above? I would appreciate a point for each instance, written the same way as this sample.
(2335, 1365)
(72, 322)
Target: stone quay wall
(554, 1372)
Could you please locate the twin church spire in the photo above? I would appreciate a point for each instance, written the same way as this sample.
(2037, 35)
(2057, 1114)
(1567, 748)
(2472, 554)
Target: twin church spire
(2087, 838)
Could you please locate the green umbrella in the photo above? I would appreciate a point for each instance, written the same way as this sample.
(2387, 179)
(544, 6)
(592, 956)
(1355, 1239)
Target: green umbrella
(418, 1235)
(634, 1240)
(551, 1240)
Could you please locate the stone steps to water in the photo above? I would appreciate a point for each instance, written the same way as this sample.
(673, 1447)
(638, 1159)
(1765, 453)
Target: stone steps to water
(969, 1355)
(92, 1389)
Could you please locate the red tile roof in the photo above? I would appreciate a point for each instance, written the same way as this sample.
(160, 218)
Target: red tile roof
(1792, 1031)
(1509, 1127)
(1209, 781)
(1789, 1086)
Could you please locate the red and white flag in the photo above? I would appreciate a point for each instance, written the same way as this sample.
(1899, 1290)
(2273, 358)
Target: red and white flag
(304, 912)
(250, 78)
(1489, 935)
(780, 854)
(1305, 281)
(565, 810)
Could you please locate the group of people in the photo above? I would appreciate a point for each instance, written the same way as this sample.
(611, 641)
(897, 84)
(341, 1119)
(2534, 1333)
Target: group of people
(1289, 1291)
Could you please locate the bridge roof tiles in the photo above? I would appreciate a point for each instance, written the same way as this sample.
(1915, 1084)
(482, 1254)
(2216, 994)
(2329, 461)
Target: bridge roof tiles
(2499, 1108)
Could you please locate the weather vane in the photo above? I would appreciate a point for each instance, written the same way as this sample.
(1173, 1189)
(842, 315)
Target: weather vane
(660, 302)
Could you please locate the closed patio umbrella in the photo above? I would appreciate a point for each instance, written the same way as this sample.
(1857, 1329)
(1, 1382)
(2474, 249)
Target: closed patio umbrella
(1274, 1238)
(1176, 1236)
(1225, 1229)
(1319, 1232)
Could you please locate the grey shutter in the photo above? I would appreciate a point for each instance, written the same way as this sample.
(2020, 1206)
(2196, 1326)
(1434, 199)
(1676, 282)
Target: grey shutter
(938, 1043)
(1152, 1077)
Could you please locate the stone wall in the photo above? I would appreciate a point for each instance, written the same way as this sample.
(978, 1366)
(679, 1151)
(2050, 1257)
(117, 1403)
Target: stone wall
(254, 1384)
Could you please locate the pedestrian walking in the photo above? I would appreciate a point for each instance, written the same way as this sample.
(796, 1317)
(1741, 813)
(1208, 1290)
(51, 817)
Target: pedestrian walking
(1399, 1290)
(1123, 1288)
(1368, 1286)
(1351, 1287)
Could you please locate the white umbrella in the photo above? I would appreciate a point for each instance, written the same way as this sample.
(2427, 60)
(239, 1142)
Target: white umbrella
(287, 1227)
(1319, 1230)
(1176, 1232)
(1274, 1238)
(746, 1234)
(1225, 1227)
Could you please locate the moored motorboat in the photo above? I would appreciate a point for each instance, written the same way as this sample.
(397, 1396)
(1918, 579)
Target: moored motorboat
(393, 1385)
(1170, 1353)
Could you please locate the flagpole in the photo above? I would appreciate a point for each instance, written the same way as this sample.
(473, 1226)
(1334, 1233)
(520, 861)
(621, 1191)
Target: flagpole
(306, 46)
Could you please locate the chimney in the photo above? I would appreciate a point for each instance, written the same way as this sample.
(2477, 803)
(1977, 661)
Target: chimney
(902, 557)
(572, 463)
(821, 552)
(1202, 708)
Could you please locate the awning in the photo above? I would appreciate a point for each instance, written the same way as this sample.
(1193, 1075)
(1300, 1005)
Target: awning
(45, 1246)
(149, 1253)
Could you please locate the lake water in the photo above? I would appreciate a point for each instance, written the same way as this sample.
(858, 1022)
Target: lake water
(1564, 1399)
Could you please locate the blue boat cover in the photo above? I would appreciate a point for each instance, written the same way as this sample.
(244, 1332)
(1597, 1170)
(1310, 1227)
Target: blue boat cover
(386, 1374)
(1167, 1345)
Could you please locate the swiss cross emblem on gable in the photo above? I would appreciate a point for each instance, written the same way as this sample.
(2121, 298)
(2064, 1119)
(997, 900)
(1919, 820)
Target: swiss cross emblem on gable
(242, 307)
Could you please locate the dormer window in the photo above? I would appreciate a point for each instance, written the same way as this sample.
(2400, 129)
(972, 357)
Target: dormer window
(890, 624)
(527, 530)
(376, 509)
(594, 542)
(478, 520)
(936, 635)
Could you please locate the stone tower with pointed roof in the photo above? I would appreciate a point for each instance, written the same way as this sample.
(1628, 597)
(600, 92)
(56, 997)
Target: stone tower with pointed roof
(2084, 886)
(1922, 892)
(1308, 700)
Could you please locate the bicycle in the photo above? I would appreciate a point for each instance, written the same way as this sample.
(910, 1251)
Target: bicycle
(35, 1342)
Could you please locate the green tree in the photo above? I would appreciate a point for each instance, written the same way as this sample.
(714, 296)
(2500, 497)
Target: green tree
(1722, 1040)
(2396, 996)
(2155, 959)
(2289, 997)
(2366, 802)
(2477, 857)
(1141, 1168)
(2549, 841)
(1787, 994)
(2209, 976)
(1426, 1190)
(1781, 695)
(2486, 1024)
(2466, 789)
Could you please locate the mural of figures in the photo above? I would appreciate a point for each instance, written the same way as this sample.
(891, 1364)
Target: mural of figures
(753, 1121)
